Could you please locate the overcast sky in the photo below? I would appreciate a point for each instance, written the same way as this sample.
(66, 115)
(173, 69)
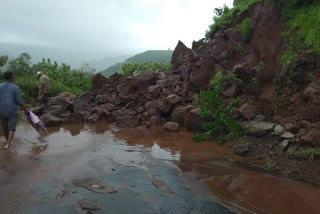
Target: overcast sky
(106, 27)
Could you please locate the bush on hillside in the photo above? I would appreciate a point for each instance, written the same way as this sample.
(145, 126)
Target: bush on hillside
(217, 117)
(245, 29)
(133, 69)
(225, 18)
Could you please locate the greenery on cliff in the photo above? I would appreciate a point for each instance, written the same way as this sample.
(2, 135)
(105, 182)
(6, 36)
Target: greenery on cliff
(153, 56)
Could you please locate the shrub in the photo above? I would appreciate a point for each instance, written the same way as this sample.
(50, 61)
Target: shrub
(245, 29)
(218, 120)
(133, 69)
(63, 78)
(225, 17)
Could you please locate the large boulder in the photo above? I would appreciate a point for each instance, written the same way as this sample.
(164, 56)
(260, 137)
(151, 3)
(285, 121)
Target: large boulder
(50, 120)
(192, 121)
(248, 111)
(180, 112)
(83, 102)
(201, 77)
(257, 128)
(142, 81)
(183, 56)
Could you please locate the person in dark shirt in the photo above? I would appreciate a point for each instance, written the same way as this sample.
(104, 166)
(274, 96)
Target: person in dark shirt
(10, 99)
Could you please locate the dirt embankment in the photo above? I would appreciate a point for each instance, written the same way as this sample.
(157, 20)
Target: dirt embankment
(278, 112)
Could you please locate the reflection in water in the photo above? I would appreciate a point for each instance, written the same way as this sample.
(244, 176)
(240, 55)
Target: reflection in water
(164, 154)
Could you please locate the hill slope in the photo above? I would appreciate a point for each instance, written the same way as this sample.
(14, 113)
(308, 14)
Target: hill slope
(148, 56)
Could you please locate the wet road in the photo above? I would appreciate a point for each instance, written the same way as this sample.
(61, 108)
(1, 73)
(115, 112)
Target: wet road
(153, 172)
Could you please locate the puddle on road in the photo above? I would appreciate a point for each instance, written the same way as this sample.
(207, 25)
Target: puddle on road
(208, 168)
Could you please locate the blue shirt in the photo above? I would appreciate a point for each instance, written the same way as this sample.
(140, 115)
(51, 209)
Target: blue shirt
(10, 99)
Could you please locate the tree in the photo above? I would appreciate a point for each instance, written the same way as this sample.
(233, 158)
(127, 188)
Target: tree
(3, 60)
(21, 65)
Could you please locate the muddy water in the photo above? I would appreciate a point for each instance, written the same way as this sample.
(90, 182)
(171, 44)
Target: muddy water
(37, 173)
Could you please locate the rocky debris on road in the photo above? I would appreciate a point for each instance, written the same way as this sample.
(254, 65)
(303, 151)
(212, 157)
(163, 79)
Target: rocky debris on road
(94, 185)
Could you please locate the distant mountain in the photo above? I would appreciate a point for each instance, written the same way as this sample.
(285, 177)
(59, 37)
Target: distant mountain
(106, 62)
(73, 58)
(148, 56)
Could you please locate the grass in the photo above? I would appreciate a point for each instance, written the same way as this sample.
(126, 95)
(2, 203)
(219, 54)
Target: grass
(245, 29)
(227, 16)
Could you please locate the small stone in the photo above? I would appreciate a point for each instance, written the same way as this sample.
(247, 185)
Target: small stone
(259, 117)
(171, 126)
(279, 130)
(284, 144)
(241, 149)
(248, 111)
(287, 135)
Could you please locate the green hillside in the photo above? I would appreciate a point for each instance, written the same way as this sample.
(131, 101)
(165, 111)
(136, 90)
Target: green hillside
(148, 56)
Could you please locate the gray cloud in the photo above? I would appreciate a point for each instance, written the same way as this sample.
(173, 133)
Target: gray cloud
(105, 27)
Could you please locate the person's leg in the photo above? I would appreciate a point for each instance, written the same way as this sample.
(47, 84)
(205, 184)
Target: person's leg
(12, 122)
(4, 124)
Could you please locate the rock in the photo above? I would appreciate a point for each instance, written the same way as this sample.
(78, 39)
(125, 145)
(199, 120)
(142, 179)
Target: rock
(155, 90)
(284, 145)
(248, 111)
(243, 72)
(151, 108)
(113, 98)
(231, 91)
(279, 130)
(171, 126)
(173, 99)
(98, 81)
(64, 99)
(192, 121)
(50, 120)
(172, 80)
(287, 135)
(163, 107)
(154, 120)
(179, 113)
(87, 205)
(182, 56)
(142, 81)
(257, 128)
(202, 76)
(259, 117)
(100, 99)
(83, 102)
(292, 127)
(128, 120)
(241, 149)
(311, 138)
(94, 185)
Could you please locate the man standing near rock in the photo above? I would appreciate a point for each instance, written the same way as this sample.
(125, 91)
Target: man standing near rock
(44, 88)
(10, 99)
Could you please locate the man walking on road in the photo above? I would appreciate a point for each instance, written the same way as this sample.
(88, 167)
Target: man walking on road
(10, 99)
(44, 88)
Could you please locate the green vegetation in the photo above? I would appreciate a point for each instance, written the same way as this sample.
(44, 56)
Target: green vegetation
(159, 56)
(268, 163)
(63, 78)
(302, 34)
(217, 118)
(312, 153)
(133, 69)
(245, 29)
(224, 16)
